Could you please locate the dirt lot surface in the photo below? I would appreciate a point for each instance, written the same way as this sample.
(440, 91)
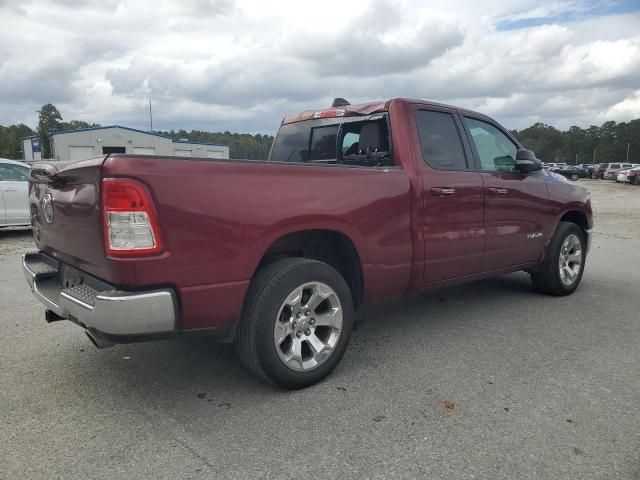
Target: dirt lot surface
(488, 380)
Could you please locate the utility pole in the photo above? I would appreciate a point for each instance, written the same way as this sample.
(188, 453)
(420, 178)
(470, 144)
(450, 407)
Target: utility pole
(628, 146)
(594, 156)
(150, 117)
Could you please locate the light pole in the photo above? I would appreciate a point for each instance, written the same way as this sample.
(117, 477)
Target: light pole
(628, 146)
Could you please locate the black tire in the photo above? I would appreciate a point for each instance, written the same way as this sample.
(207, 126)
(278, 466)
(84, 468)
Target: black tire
(267, 292)
(574, 177)
(547, 278)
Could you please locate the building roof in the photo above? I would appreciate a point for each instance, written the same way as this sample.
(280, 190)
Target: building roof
(59, 132)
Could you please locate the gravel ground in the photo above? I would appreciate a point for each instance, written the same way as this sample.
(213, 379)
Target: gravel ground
(487, 380)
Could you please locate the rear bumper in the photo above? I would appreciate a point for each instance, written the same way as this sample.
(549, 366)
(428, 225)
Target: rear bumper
(115, 316)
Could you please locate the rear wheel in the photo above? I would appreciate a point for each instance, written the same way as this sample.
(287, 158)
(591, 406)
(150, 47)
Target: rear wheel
(574, 177)
(296, 322)
(564, 265)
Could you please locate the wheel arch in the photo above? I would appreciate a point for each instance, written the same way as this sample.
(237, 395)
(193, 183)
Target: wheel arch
(330, 246)
(577, 217)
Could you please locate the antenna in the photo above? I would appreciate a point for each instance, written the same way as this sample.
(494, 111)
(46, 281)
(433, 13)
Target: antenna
(150, 117)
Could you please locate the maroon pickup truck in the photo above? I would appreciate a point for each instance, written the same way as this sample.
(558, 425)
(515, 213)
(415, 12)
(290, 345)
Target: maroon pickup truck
(355, 204)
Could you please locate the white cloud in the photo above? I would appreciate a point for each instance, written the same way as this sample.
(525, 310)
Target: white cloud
(224, 65)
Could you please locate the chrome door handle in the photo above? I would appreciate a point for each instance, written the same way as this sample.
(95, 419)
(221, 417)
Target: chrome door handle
(443, 191)
(497, 191)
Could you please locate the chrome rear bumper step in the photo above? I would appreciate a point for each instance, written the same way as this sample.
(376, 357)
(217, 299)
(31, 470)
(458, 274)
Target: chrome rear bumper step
(105, 312)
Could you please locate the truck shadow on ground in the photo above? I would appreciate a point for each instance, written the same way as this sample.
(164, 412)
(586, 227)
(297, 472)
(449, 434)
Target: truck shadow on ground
(199, 366)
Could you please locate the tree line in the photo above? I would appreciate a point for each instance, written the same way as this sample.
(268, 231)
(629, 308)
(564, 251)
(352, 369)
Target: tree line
(610, 142)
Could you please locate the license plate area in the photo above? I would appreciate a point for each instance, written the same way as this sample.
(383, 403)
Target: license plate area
(70, 277)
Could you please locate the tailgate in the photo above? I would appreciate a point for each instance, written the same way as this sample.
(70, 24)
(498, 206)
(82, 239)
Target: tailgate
(65, 213)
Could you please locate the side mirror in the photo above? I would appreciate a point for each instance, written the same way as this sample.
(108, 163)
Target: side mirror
(526, 161)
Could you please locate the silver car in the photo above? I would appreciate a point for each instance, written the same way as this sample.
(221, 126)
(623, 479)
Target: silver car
(14, 194)
(611, 173)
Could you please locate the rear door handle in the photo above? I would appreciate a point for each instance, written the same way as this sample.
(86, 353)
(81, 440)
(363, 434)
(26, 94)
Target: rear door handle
(443, 191)
(497, 191)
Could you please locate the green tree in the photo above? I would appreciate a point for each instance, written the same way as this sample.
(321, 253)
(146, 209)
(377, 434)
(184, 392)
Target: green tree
(77, 125)
(10, 140)
(49, 119)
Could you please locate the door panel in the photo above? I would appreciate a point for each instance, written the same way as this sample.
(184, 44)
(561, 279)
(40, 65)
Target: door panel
(80, 152)
(16, 202)
(452, 210)
(516, 204)
(3, 219)
(454, 233)
(144, 150)
(516, 215)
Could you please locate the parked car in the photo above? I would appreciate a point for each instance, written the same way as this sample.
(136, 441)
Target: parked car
(599, 170)
(572, 172)
(355, 204)
(558, 166)
(611, 172)
(590, 169)
(633, 176)
(14, 195)
(622, 175)
(554, 166)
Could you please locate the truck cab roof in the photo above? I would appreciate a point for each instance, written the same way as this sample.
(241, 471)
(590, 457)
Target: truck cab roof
(361, 109)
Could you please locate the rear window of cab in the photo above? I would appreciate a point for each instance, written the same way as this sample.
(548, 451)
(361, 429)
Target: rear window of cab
(353, 141)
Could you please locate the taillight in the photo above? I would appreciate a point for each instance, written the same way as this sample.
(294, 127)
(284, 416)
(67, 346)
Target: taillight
(130, 223)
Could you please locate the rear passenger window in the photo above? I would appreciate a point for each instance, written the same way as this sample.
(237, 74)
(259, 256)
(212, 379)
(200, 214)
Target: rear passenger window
(323, 143)
(358, 142)
(440, 140)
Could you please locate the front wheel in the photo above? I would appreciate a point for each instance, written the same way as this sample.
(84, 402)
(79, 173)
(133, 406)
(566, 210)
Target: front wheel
(574, 177)
(296, 323)
(564, 264)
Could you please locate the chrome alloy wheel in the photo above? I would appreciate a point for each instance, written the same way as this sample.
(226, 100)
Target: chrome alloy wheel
(308, 326)
(570, 261)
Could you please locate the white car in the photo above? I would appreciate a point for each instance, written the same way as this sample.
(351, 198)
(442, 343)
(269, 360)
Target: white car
(556, 166)
(14, 193)
(622, 176)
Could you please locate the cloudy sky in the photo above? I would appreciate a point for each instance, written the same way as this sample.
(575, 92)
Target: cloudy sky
(241, 65)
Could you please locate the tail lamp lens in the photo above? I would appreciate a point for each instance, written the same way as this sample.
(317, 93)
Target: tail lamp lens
(130, 223)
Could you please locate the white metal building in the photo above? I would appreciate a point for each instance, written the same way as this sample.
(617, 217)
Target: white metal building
(90, 142)
(31, 149)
